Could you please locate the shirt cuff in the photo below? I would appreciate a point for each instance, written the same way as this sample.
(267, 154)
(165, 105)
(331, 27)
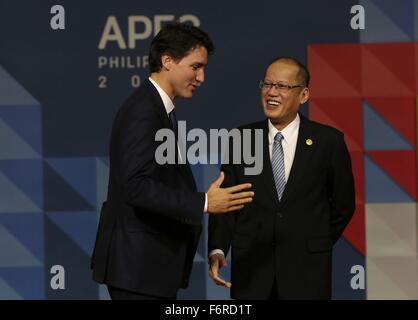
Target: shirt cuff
(215, 251)
(205, 209)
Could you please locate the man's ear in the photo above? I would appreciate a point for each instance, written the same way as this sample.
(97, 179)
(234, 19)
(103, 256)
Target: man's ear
(166, 61)
(305, 95)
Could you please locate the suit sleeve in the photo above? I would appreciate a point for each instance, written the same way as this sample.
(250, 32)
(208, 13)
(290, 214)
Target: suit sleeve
(141, 186)
(341, 185)
(221, 226)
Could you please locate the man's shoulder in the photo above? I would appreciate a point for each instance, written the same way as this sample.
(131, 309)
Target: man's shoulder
(139, 101)
(142, 94)
(254, 125)
(324, 129)
(321, 128)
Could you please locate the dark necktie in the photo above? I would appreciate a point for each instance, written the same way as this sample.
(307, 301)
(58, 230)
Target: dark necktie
(173, 121)
(173, 126)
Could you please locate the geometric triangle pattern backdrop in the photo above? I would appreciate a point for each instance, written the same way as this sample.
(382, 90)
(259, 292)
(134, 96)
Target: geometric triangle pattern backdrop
(387, 21)
(49, 207)
(369, 91)
(22, 254)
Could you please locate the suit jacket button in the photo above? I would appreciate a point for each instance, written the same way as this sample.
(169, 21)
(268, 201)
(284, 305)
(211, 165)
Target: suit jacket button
(279, 214)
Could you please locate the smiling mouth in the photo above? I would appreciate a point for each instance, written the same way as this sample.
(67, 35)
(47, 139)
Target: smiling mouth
(273, 103)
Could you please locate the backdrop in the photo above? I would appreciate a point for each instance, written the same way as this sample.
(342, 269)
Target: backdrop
(60, 89)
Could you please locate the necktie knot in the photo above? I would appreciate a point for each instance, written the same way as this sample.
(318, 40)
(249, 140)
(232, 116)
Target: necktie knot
(278, 137)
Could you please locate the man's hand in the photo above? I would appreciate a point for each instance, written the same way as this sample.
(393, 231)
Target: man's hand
(222, 200)
(218, 261)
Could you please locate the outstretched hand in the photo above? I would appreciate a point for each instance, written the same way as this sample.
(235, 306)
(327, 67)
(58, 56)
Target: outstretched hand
(223, 200)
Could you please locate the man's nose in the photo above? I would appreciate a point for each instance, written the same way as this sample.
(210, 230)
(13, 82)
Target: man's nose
(200, 76)
(273, 91)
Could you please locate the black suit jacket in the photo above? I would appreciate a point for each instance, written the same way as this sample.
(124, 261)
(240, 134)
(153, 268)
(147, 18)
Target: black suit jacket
(150, 224)
(290, 241)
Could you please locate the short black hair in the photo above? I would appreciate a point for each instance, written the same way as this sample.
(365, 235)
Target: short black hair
(303, 73)
(177, 40)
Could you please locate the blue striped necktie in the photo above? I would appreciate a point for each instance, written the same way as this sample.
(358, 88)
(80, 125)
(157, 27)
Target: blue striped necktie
(277, 163)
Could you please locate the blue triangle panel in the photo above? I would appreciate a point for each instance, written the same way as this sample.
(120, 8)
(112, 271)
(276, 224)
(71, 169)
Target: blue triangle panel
(345, 256)
(60, 196)
(103, 292)
(105, 160)
(13, 146)
(197, 283)
(80, 173)
(401, 15)
(26, 121)
(27, 175)
(12, 199)
(210, 174)
(380, 187)
(379, 27)
(29, 282)
(81, 227)
(379, 134)
(198, 173)
(12, 93)
(28, 229)
(7, 292)
(202, 246)
(78, 280)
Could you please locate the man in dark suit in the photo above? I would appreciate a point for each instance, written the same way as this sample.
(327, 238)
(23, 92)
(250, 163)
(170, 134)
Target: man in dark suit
(150, 224)
(304, 198)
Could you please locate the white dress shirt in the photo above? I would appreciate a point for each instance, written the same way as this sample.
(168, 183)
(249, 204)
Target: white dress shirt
(290, 138)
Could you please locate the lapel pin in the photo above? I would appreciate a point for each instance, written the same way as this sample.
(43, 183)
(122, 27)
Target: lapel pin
(309, 142)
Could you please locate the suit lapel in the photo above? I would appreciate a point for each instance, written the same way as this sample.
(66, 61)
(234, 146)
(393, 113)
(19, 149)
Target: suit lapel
(158, 103)
(303, 154)
(162, 113)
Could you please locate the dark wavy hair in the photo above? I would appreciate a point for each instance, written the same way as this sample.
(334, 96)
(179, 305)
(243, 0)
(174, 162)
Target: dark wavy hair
(177, 40)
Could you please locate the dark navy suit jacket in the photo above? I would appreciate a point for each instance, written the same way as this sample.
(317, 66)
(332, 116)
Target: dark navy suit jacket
(289, 241)
(151, 222)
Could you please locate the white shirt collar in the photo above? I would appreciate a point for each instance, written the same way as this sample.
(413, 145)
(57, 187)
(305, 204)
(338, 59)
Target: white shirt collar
(289, 133)
(168, 103)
